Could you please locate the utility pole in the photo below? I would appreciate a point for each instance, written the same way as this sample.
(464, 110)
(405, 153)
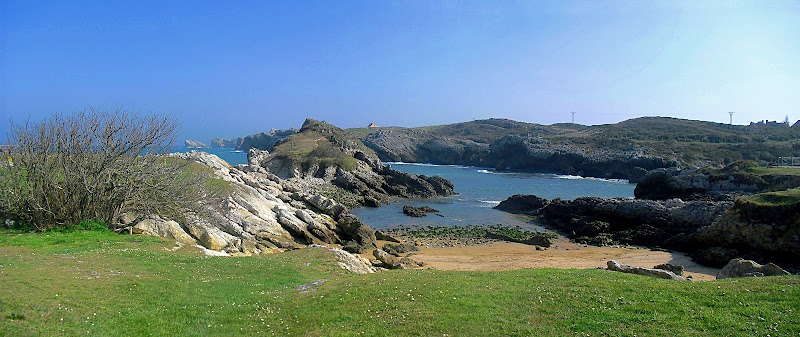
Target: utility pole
(731, 113)
(573, 117)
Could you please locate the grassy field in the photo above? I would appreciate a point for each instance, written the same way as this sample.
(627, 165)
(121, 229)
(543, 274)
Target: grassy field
(102, 284)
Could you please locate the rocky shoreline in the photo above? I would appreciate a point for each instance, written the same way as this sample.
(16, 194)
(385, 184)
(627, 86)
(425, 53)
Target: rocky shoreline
(713, 225)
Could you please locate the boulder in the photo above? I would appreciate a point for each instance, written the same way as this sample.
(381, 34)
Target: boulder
(393, 262)
(523, 204)
(653, 272)
(350, 262)
(156, 226)
(747, 268)
(399, 249)
(676, 269)
(380, 235)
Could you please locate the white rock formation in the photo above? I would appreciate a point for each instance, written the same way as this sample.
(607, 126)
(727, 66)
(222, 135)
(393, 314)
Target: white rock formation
(259, 216)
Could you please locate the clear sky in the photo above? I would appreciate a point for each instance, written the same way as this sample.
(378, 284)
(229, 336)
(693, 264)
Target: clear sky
(232, 68)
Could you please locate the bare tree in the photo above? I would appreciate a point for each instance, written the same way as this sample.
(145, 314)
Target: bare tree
(94, 165)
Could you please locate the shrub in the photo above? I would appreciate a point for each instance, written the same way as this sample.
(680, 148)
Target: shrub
(95, 165)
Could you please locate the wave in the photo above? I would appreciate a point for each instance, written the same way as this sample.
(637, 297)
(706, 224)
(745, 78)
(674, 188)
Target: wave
(571, 177)
(491, 203)
(490, 171)
(425, 164)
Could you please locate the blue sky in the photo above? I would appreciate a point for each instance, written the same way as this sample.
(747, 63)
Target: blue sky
(227, 69)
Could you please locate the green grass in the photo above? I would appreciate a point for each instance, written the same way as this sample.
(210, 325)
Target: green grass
(138, 288)
(776, 170)
(780, 198)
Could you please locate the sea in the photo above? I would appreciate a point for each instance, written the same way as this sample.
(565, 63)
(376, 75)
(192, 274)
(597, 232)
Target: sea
(478, 191)
(232, 156)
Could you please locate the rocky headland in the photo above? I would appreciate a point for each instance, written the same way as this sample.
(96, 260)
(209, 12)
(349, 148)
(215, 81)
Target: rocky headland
(322, 158)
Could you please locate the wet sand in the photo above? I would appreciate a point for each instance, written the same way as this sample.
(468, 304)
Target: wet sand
(564, 254)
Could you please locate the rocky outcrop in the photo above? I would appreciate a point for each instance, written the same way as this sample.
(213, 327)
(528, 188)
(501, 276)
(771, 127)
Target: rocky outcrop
(348, 261)
(322, 157)
(262, 214)
(157, 226)
(263, 140)
(712, 232)
(619, 220)
(756, 231)
(394, 262)
(223, 143)
(194, 144)
(418, 212)
(653, 272)
(748, 268)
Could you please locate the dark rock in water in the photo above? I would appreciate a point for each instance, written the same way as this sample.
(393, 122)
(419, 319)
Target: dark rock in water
(522, 204)
(715, 256)
(223, 143)
(660, 273)
(399, 249)
(194, 144)
(675, 269)
(747, 268)
(380, 235)
(418, 211)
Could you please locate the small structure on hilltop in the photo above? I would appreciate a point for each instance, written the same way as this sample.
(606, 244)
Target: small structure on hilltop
(373, 126)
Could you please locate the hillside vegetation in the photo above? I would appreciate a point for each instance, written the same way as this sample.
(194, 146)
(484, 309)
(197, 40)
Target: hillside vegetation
(320, 144)
(99, 283)
(688, 142)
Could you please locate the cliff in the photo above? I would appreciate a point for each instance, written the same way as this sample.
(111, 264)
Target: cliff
(263, 140)
(223, 143)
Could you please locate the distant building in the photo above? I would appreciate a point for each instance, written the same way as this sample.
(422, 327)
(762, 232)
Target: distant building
(373, 125)
(769, 123)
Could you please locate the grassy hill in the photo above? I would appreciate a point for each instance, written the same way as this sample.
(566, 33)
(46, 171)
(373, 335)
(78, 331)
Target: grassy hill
(687, 141)
(99, 283)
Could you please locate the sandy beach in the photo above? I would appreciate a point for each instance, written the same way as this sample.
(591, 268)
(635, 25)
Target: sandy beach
(496, 256)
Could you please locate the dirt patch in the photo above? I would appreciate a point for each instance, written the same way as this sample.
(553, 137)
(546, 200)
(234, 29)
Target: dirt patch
(496, 256)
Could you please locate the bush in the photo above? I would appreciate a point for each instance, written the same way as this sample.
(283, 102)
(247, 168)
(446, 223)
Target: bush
(69, 168)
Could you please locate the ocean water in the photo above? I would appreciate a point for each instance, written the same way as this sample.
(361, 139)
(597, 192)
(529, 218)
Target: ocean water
(232, 156)
(480, 189)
